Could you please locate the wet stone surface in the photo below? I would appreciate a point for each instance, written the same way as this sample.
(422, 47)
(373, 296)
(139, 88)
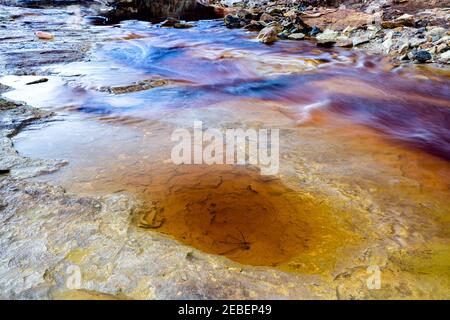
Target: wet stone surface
(360, 185)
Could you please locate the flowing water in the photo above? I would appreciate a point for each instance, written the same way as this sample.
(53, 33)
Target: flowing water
(364, 147)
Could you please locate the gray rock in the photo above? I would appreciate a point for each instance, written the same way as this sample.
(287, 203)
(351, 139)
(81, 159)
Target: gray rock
(415, 42)
(421, 56)
(296, 36)
(445, 57)
(437, 33)
(328, 37)
(361, 40)
(344, 42)
(14, 117)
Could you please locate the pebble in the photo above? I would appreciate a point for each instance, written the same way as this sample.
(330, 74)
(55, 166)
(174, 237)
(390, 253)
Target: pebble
(44, 35)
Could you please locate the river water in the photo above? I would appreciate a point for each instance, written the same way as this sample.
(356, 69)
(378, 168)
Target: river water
(364, 146)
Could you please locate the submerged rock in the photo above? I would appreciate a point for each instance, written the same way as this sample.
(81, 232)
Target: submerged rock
(181, 25)
(169, 22)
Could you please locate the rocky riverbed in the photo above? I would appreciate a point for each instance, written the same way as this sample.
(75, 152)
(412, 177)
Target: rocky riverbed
(407, 31)
(85, 183)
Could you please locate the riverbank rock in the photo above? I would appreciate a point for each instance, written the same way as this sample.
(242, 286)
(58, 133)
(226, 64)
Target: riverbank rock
(337, 19)
(344, 42)
(265, 17)
(296, 36)
(233, 21)
(269, 34)
(445, 57)
(420, 56)
(405, 20)
(255, 26)
(327, 38)
(437, 33)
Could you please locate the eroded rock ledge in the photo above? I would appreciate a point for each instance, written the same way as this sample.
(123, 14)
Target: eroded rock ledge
(45, 231)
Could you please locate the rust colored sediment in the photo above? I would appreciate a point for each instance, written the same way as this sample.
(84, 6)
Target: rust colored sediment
(236, 212)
